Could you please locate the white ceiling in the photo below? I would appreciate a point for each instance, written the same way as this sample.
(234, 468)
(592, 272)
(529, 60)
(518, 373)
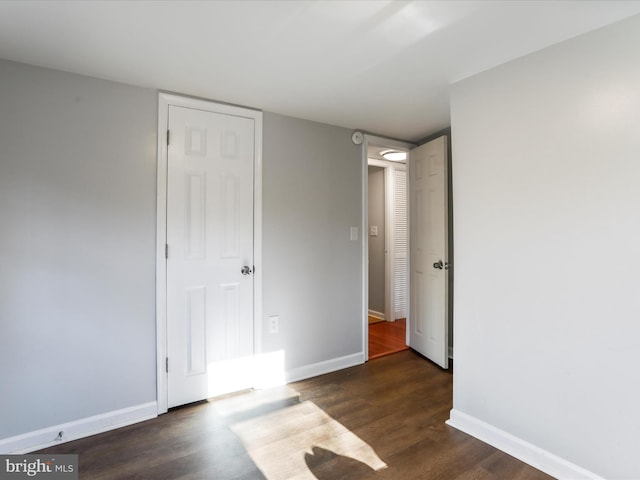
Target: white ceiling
(381, 66)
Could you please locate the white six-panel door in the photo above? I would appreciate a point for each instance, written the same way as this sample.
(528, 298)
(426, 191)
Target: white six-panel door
(428, 321)
(210, 239)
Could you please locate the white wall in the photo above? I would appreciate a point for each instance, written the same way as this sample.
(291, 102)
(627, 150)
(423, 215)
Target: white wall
(546, 182)
(77, 262)
(312, 273)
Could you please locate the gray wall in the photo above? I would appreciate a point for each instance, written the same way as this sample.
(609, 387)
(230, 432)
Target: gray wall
(77, 250)
(312, 272)
(377, 243)
(77, 261)
(546, 176)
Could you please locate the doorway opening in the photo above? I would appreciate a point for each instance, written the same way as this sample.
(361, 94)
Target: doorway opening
(426, 295)
(387, 248)
(388, 255)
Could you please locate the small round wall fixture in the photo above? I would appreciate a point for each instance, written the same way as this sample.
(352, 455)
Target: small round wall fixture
(357, 137)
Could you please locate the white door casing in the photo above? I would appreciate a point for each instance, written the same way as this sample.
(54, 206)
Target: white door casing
(428, 322)
(208, 315)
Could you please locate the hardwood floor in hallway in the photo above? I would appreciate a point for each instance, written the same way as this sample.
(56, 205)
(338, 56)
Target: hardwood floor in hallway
(386, 338)
(381, 420)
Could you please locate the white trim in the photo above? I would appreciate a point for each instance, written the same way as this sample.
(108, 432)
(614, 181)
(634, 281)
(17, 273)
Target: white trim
(516, 447)
(164, 101)
(386, 163)
(161, 263)
(364, 221)
(257, 234)
(388, 142)
(328, 366)
(47, 437)
(375, 314)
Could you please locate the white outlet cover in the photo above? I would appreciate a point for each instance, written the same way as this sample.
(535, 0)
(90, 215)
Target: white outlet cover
(274, 324)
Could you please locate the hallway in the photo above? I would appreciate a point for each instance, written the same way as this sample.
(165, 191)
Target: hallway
(386, 338)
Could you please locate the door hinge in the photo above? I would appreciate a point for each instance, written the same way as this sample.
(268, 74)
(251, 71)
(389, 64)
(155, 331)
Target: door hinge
(167, 364)
(166, 250)
(168, 137)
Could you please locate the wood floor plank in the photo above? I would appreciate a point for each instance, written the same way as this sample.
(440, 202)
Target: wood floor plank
(386, 338)
(382, 420)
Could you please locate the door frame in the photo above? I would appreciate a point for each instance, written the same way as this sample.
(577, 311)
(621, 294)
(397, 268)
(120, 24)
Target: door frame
(386, 143)
(164, 101)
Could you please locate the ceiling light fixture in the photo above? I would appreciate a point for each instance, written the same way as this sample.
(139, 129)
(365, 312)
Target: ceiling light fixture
(394, 155)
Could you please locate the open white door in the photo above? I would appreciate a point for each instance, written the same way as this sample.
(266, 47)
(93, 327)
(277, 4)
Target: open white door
(210, 254)
(428, 332)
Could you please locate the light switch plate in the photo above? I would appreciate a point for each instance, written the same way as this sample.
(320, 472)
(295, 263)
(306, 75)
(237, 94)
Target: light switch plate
(354, 233)
(373, 231)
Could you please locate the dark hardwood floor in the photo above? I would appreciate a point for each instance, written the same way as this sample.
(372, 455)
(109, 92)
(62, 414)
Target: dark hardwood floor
(381, 420)
(386, 338)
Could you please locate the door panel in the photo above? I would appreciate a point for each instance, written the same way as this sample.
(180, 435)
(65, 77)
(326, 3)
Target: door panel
(429, 248)
(210, 239)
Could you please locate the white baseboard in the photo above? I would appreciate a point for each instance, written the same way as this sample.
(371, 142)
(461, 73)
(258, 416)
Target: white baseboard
(47, 437)
(516, 447)
(321, 368)
(376, 314)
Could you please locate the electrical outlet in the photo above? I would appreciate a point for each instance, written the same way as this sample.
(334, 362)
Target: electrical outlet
(274, 324)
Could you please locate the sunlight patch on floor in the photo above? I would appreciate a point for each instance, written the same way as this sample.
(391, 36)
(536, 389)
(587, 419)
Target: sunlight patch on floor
(280, 442)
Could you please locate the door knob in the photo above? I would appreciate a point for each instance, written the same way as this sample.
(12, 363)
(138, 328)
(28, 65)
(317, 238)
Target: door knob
(246, 270)
(440, 265)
